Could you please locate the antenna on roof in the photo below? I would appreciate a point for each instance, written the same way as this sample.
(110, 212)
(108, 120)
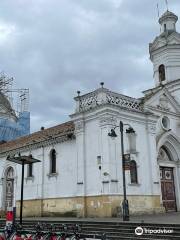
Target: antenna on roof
(167, 4)
(158, 14)
(158, 10)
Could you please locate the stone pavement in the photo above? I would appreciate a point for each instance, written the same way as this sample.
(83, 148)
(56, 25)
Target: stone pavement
(163, 218)
(166, 218)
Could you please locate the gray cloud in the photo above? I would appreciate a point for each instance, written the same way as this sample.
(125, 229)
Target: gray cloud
(58, 47)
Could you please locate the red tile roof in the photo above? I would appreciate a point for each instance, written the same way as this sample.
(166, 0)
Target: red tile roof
(40, 136)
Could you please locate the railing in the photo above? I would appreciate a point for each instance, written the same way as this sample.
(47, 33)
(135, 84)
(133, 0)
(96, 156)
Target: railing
(104, 96)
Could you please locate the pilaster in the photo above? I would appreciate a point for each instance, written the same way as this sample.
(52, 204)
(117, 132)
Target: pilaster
(108, 153)
(154, 179)
(80, 150)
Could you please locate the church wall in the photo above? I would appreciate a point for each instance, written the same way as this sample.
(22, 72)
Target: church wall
(174, 123)
(98, 145)
(176, 94)
(32, 185)
(64, 183)
(96, 206)
(44, 184)
(62, 194)
(175, 126)
(147, 158)
(92, 150)
(169, 140)
(170, 58)
(110, 152)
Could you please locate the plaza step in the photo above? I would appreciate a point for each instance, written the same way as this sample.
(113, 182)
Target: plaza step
(113, 230)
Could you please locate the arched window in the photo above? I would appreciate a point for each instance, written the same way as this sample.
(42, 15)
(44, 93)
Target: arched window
(165, 27)
(10, 173)
(162, 75)
(133, 172)
(30, 170)
(53, 161)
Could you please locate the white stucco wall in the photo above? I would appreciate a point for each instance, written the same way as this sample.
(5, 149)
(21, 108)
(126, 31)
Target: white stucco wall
(170, 57)
(88, 179)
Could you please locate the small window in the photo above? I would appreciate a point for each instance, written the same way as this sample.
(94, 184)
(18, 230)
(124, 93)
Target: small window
(174, 25)
(162, 75)
(133, 171)
(165, 28)
(165, 123)
(53, 161)
(30, 170)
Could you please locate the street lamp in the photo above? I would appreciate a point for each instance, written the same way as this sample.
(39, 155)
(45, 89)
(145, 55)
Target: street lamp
(130, 130)
(22, 160)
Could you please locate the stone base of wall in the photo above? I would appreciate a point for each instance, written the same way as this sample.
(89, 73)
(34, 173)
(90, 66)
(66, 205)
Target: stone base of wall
(92, 206)
(31, 208)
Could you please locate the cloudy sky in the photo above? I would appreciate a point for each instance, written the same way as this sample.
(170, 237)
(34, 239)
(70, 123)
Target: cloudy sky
(56, 47)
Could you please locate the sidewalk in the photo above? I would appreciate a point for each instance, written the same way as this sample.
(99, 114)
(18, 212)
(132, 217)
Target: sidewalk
(164, 218)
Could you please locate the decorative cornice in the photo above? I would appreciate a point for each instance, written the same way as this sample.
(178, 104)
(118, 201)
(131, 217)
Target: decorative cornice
(163, 110)
(151, 128)
(172, 100)
(79, 126)
(107, 120)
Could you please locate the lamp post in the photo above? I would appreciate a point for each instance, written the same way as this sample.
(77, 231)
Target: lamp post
(22, 160)
(125, 204)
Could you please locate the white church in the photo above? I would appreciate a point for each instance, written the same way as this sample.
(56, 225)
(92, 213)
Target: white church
(80, 169)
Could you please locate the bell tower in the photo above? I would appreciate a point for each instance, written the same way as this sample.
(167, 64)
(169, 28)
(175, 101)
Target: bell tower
(165, 50)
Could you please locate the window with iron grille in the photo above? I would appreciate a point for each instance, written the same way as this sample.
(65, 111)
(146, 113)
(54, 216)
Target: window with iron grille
(53, 161)
(30, 170)
(133, 171)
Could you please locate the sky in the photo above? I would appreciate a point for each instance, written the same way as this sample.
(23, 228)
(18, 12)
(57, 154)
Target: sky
(56, 47)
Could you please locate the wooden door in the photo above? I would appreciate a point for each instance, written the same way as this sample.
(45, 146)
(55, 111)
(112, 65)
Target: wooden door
(167, 188)
(9, 188)
(9, 193)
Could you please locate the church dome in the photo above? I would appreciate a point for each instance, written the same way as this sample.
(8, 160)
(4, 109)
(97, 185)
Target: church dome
(168, 16)
(4, 102)
(168, 22)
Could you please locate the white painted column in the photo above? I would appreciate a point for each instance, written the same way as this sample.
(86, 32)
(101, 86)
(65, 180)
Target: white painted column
(80, 151)
(154, 178)
(108, 153)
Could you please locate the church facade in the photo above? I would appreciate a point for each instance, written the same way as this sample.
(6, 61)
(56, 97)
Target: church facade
(80, 173)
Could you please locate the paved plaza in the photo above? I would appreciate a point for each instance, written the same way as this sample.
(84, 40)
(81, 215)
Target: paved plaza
(164, 218)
